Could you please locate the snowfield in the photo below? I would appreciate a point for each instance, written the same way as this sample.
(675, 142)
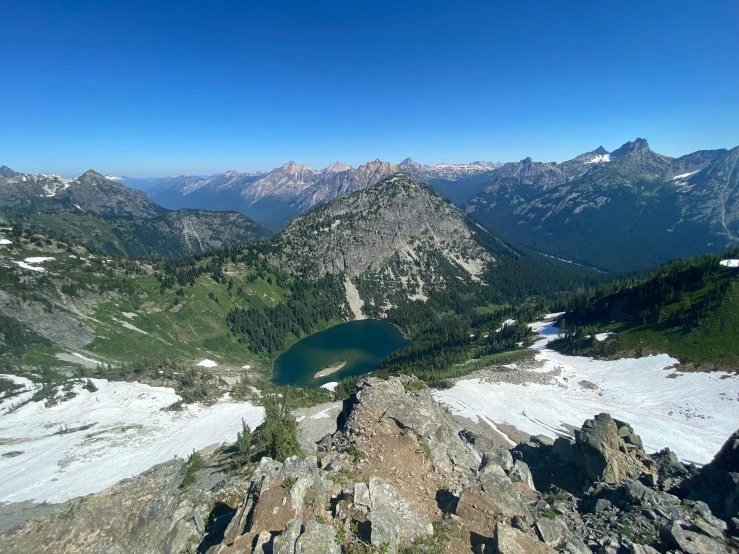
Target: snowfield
(729, 263)
(94, 440)
(690, 413)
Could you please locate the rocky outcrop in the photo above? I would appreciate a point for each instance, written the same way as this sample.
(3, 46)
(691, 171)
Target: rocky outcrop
(399, 473)
(136, 515)
(604, 451)
(717, 483)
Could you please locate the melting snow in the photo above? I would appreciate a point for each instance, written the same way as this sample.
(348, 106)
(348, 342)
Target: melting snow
(85, 358)
(125, 433)
(207, 363)
(24, 265)
(330, 386)
(6, 241)
(600, 158)
(685, 175)
(729, 263)
(37, 260)
(692, 414)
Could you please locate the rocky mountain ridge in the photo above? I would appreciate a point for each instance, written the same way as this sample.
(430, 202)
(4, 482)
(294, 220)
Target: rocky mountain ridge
(398, 232)
(649, 207)
(276, 197)
(138, 226)
(401, 475)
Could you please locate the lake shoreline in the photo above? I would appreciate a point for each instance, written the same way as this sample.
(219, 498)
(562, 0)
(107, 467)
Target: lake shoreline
(330, 370)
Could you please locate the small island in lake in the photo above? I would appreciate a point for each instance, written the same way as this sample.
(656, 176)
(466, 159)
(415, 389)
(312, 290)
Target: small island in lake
(328, 370)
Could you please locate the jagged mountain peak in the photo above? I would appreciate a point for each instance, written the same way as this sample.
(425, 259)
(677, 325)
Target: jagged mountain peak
(337, 167)
(91, 174)
(632, 146)
(5, 171)
(408, 162)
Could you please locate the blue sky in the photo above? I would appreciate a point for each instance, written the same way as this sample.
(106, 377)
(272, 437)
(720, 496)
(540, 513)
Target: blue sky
(160, 88)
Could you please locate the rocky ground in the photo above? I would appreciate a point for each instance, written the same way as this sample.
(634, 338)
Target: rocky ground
(401, 475)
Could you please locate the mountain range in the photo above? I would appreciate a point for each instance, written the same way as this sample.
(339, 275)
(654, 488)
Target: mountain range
(116, 219)
(276, 197)
(622, 210)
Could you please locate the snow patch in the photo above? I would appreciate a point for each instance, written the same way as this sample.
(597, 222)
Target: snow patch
(685, 175)
(599, 159)
(24, 265)
(692, 415)
(729, 263)
(330, 386)
(207, 363)
(6, 241)
(80, 356)
(86, 444)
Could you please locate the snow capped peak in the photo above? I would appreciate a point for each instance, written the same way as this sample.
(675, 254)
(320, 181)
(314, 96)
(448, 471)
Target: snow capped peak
(231, 173)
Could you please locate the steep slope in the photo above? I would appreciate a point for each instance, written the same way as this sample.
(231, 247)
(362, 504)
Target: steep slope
(90, 192)
(624, 210)
(112, 218)
(689, 309)
(361, 232)
(400, 241)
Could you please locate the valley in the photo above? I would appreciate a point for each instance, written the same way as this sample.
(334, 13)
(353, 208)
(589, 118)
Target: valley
(118, 352)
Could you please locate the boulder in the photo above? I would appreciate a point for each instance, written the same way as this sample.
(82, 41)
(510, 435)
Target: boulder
(394, 520)
(504, 496)
(678, 534)
(512, 541)
(317, 538)
(611, 451)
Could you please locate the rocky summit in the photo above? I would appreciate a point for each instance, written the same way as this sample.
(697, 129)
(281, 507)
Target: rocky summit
(399, 474)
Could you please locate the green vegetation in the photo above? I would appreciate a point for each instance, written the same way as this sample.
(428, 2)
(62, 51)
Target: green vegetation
(189, 469)
(278, 435)
(444, 530)
(447, 346)
(689, 309)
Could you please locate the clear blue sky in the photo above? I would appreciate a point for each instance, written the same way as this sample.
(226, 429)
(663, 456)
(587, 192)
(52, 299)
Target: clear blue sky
(159, 87)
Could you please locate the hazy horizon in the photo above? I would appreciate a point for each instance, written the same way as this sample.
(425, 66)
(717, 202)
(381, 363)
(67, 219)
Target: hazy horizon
(168, 88)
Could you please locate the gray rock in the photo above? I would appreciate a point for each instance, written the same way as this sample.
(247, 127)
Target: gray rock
(183, 535)
(521, 473)
(263, 544)
(678, 535)
(554, 532)
(512, 541)
(362, 497)
(498, 455)
(394, 520)
(317, 538)
(499, 488)
(284, 543)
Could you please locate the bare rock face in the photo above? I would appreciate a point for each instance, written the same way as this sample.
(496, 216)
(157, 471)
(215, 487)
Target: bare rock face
(611, 451)
(136, 515)
(394, 519)
(717, 483)
(512, 541)
(604, 451)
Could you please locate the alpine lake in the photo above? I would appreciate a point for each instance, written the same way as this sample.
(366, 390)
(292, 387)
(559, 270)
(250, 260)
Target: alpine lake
(347, 349)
